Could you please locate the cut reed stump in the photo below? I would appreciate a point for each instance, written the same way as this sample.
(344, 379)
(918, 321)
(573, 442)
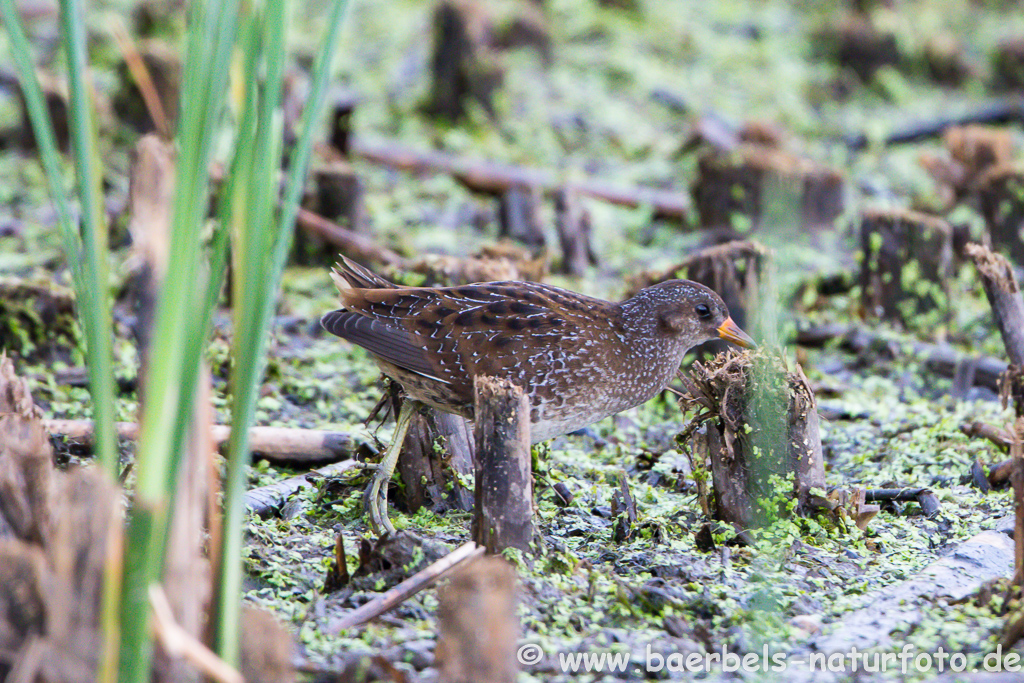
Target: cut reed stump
(761, 437)
(464, 66)
(339, 195)
(970, 152)
(1008, 308)
(856, 44)
(343, 106)
(186, 579)
(519, 215)
(478, 624)
(745, 184)
(906, 266)
(437, 461)
(1001, 195)
(1008, 64)
(572, 221)
(503, 516)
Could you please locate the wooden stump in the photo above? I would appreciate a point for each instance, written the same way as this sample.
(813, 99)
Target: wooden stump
(573, 224)
(945, 61)
(478, 624)
(733, 189)
(523, 24)
(519, 216)
(437, 459)
(972, 150)
(907, 261)
(977, 149)
(343, 106)
(339, 195)
(855, 44)
(503, 516)
(1008, 65)
(1001, 193)
(464, 67)
(761, 424)
(187, 570)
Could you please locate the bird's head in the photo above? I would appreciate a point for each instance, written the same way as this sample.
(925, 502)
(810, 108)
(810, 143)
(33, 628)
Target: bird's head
(690, 313)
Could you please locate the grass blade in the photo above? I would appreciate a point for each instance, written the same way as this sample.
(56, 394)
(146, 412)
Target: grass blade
(264, 248)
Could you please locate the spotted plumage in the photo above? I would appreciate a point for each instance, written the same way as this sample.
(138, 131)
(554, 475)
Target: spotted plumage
(579, 359)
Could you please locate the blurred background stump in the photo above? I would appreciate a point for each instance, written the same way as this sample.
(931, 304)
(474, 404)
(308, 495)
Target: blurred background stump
(906, 267)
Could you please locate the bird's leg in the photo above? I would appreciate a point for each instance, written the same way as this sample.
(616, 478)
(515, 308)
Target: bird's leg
(376, 497)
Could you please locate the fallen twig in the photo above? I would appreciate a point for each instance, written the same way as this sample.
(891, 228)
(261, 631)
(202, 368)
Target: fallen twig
(283, 445)
(924, 497)
(493, 178)
(352, 243)
(941, 359)
(263, 499)
(994, 434)
(998, 112)
(426, 577)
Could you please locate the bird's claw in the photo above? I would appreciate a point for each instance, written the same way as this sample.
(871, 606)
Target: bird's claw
(375, 500)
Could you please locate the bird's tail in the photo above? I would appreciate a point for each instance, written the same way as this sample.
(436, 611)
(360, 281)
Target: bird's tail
(349, 275)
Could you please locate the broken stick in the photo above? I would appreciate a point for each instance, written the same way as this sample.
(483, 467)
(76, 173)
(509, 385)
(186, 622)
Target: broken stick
(282, 445)
(1008, 308)
(265, 498)
(421, 580)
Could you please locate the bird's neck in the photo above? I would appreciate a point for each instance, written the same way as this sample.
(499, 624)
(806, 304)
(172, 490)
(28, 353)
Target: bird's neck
(652, 357)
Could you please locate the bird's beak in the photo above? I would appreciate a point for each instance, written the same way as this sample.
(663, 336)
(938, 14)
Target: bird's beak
(730, 331)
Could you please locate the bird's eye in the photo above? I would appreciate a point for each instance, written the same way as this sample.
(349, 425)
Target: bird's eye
(703, 310)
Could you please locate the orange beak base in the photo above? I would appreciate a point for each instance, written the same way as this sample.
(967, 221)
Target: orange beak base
(730, 331)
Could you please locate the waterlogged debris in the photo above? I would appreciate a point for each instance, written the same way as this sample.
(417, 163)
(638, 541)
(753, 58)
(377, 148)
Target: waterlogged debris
(265, 499)
(854, 504)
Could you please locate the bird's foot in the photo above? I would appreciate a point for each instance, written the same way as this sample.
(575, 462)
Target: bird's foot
(375, 500)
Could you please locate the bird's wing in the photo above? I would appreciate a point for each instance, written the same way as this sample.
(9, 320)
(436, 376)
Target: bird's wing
(451, 334)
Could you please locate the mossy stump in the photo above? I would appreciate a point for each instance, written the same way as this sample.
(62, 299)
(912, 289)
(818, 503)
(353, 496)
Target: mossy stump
(738, 189)
(856, 44)
(1008, 65)
(760, 435)
(339, 195)
(906, 266)
(436, 466)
